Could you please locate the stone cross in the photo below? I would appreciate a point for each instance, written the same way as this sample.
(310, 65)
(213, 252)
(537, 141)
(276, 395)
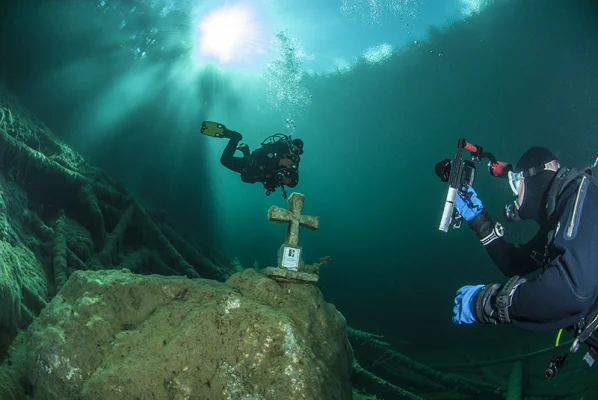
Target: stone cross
(289, 255)
(293, 218)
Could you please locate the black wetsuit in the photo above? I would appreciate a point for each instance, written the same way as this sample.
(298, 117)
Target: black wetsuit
(259, 166)
(565, 290)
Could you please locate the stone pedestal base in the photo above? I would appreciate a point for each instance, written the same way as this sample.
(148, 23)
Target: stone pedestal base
(285, 275)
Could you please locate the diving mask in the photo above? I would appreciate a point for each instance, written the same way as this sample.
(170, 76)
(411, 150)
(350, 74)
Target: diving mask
(516, 178)
(515, 181)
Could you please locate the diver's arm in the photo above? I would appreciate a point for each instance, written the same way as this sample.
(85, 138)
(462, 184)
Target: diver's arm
(510, 259)
(560, 295)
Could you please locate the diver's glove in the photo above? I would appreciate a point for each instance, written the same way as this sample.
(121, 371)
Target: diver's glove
(486, 304)
(479, 220)
(464, 304)
(468, 204)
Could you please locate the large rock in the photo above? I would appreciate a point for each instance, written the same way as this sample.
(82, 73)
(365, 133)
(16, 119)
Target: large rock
(117, 335)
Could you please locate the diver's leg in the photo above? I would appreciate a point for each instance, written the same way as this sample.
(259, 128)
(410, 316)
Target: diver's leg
(228, 158)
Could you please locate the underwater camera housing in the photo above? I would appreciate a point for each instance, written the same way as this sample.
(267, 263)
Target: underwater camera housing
(443, 170)
(460, 175)
(283, 173)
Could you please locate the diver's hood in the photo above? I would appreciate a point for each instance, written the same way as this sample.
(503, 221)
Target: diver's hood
(297, 146)
(535, 196)
(536, 189)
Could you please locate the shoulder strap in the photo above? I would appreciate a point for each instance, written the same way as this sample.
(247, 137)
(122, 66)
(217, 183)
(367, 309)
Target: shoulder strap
(563, 178)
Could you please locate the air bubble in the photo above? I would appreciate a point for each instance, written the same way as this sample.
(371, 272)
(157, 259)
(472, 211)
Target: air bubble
(284, 89)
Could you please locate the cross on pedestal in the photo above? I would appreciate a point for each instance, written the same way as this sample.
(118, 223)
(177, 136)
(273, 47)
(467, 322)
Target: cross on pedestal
(289, 256)
(293, 218)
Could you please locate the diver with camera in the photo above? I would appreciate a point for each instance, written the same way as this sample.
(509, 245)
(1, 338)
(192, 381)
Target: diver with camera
(564, 203)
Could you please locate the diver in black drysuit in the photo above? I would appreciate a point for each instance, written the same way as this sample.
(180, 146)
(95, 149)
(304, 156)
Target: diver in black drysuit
(563, 294)
(274, 165)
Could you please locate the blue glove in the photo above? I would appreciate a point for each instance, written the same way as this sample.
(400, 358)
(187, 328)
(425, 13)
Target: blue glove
(464, 304)
(468, 204)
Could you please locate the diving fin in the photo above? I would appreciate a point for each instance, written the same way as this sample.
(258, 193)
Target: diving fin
(213, 129)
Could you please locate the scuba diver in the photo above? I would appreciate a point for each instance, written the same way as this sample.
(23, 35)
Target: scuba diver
(274, 164)
(563, 295)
